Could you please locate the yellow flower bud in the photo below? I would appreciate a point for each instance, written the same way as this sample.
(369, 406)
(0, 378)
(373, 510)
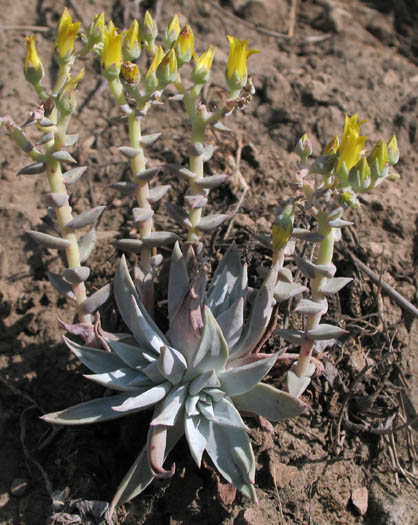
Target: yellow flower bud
(112, 50)
(393, 151)
(132, 43)
(281, 231)
(236, 69)
(66, 34)
(203, 65)
(96, 30)
(33, 68)
(352, 144)
(332, 146)
(172, 32)
(130, 72)
(184, 45)
(304, 147)
(167, 70)
(149, 28)
(150, 80)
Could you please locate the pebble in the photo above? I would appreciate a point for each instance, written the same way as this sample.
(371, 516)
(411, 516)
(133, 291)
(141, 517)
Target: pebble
(360, 499)
(18, 487)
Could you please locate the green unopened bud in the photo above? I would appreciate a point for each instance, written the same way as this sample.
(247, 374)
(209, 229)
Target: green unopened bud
(149, 29)
(393, 151)
(304, 147)
(359, 176)
(130, 72)
(348, 199)
(66, 100)
(34, 70)
(203, 65)
(172, 32)
(378, 161)
(332, 146)
(131, 47)
(167, 70)
(324, 164)
(281, 231)
(95, 32)
(184, 45)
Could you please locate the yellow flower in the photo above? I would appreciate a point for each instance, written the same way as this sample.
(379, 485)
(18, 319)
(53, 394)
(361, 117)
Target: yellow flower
(172, 31)
(159, 55)
(33, 68)
(203, 65)
(185, 45)
(236, 69)
(112, 50)
(352, 143)
(130, 72)
(132, 43)
(66, 34)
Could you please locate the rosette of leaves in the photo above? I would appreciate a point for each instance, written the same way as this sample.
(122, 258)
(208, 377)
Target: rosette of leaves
(198, 376)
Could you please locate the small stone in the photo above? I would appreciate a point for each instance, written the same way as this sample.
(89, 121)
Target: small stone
(357, 360)
(18, 487)
(284, 474)
(376, 248)
(360, 499)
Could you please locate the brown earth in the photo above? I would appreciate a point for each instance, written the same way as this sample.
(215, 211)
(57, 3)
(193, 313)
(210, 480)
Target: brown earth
(342, 58)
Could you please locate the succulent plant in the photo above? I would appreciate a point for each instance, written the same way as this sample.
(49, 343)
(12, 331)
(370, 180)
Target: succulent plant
(198, 376)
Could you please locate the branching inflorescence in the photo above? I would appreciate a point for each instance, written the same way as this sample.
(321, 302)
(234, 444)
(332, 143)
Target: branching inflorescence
(209, 365)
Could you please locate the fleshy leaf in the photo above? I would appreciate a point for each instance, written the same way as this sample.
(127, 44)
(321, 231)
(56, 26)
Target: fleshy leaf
(197, 433)
(95, 411)
(131, 355)
(296, 385)
(236, 381)
(124, 379)
(145, 399)
(226, 414)
(326, 331)
(139, 475)
(146, 336)
(231, 452)
(259, 317)
(172, 364)
(296, 337)
(308, 307)
(95, 301)
(335, 285)
(269, 402)
(212, 352)
(98, 361)
(178, 282)
(86, 245)
(285, 291)
(61, 285)
(208, 379)
(231, 322)
(124, 289)
(169, 410)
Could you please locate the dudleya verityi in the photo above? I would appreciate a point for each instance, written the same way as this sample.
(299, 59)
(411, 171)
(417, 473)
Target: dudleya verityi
(198, 376)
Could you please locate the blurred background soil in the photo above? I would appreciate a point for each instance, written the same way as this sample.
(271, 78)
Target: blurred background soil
(337, 464)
